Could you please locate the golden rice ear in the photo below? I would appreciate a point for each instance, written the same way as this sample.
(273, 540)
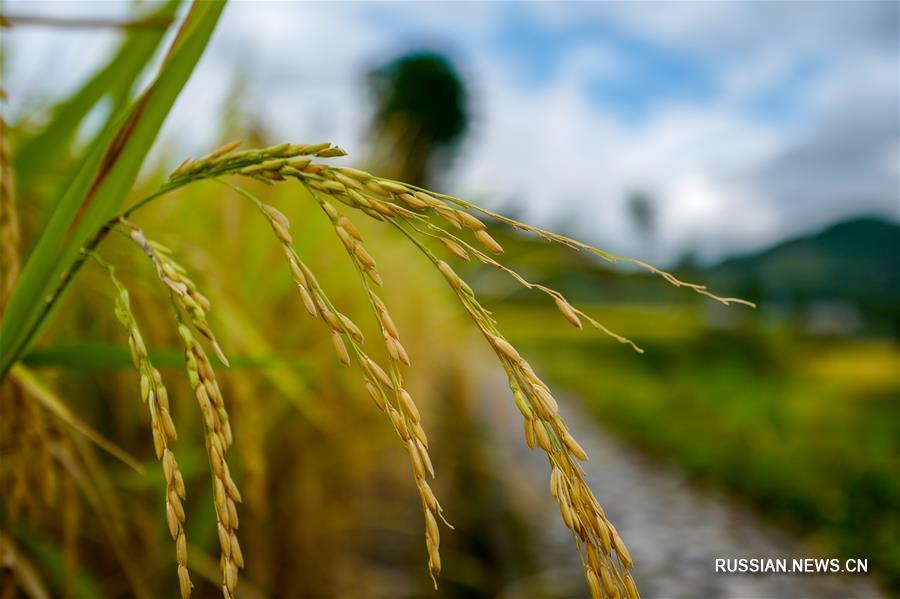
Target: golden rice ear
(265, 161)
(203, 381)
(410, 210)
(182, 289)
(344, 331)
(217, 430)
(544, 428)
(153, 393)
(403, 413)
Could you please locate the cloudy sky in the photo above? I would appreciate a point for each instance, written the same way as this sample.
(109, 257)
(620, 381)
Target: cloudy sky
(744, 122)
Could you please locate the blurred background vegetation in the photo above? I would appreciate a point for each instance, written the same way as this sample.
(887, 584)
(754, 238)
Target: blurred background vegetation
(790, 411)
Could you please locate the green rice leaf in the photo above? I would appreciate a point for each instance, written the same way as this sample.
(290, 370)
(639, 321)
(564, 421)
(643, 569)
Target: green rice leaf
(115, 80)
(101, 185)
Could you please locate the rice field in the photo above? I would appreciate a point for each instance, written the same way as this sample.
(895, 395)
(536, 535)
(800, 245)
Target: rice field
(259, 373)
(801, 429)
(82, 215)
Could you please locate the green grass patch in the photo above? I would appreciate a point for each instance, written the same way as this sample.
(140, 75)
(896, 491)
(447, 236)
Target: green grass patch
(806, 431)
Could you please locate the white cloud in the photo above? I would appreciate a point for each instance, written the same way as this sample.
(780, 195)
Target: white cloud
(724, 179)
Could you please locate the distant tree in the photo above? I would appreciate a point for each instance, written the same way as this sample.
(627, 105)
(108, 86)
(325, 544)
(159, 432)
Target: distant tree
(642, 210)
(420, 117)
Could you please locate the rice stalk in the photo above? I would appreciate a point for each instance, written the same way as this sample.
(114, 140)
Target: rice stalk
(9, 219)
(63, 419)
(71, 525)
(217, 428)
(23, 431)
(402, 412)
(154, 394)
(31, 481)
(218, 439)
(417, 441)
(182, 288)
(40, 467)
(69, 458)
(25, 573)
(78, 463)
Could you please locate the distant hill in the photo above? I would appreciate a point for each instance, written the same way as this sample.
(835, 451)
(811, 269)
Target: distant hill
(848, 271)
(856, 262)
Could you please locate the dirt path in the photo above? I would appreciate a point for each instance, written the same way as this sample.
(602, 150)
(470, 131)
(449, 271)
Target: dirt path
(674, 530)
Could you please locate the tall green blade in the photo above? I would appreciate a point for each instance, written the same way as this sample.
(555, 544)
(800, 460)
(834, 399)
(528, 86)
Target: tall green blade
(101, 185)
(114, 80)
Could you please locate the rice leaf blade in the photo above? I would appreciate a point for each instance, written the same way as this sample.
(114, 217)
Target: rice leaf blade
(101, 185)
(115, 80)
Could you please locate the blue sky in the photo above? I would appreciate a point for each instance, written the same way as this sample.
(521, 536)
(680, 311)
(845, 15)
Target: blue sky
(744, 122)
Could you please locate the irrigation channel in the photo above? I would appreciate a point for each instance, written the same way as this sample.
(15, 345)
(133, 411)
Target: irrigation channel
(674, 529)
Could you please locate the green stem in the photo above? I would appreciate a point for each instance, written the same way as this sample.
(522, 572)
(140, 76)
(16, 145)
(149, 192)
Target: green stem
(162, 191)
